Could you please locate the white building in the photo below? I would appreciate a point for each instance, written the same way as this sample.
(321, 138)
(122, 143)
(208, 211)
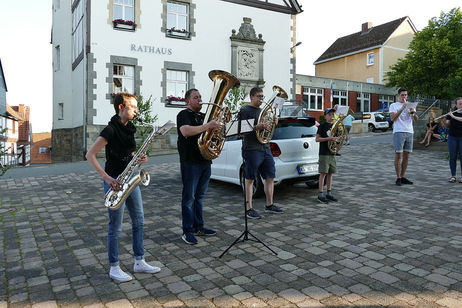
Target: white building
(159, 48)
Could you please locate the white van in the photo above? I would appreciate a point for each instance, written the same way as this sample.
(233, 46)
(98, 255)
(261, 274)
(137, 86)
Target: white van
(374, 120)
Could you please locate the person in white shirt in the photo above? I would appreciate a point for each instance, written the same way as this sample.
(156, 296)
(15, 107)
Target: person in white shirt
(403, 134)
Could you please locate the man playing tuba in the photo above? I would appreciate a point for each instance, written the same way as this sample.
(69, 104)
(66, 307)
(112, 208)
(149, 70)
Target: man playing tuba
(257, 156)
(195, 169)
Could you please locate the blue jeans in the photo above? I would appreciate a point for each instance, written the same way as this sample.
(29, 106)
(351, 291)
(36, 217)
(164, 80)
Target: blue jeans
(134, 205)
(454, 146)
(195, 177)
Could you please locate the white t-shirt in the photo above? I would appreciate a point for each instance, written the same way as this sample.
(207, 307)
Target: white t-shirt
(403, 123)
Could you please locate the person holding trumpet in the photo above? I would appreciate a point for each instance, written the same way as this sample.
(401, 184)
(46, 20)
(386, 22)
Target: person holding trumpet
(403, 135)
(454, 121)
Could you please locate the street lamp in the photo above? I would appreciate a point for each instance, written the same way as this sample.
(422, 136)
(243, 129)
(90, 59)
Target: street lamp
(293, 47)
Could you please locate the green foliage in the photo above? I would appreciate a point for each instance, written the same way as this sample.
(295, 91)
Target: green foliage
(235, 99)
(145, 118)
(433, 65)
(3, 152)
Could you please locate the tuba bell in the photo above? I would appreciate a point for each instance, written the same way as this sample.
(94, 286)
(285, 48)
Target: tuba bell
(267, 115)
(212, 140)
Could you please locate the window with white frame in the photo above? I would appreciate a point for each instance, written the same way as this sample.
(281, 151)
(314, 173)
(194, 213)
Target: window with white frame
(177, 85)
(386, 100)
(60, 111)
(42, 150)
(57, 60)
(77, 30)
(314, 98)
(364, 102)
(123, 78)
(370, 80)
(340, 98)
(370, 58)
(177, 19)
(124, 10)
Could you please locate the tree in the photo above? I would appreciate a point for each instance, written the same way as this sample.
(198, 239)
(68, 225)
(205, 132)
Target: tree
(433, 65)
(145, 119)
(235, 99)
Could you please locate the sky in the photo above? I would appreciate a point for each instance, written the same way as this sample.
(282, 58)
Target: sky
(25, 49)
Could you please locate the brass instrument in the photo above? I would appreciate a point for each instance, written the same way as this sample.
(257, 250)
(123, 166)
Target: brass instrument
(212, 140)
(446, 114)
(114, 199)
(338, 130)
(268, 114)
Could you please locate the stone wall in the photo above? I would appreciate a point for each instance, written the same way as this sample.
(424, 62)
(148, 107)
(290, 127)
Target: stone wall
(67, 144)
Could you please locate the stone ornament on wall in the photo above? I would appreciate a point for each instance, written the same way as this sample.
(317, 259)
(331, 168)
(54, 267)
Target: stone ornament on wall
(247, 55)
(247, 63)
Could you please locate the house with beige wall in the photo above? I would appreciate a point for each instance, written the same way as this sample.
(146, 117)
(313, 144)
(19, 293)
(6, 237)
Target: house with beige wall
(367, 55)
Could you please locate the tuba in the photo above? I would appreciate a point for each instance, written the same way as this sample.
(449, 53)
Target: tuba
(212, 140)
(129, 178)
(267, 115)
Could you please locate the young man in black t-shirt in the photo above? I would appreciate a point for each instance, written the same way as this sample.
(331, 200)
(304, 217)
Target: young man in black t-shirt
(258, 159)
(327, 162)
(118, 138)
(195, 169)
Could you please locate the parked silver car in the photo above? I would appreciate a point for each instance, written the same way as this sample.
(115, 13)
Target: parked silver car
(294, 149)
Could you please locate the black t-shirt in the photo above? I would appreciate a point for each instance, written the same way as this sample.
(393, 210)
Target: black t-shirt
(250, 141)
(324, 132)
(188, 147)
(436, 129)
(455, 129)
(120, 145)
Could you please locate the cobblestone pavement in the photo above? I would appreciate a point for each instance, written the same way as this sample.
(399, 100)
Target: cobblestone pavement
(380, 245)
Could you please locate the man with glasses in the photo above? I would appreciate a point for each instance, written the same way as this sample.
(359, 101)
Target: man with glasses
(258, 160)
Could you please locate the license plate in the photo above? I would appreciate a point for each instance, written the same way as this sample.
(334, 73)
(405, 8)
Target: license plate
(306, 168)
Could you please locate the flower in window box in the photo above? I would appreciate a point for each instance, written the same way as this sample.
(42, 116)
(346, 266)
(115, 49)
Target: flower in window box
(174, 99)
(113, 95)
(120, 23)
(173, 29)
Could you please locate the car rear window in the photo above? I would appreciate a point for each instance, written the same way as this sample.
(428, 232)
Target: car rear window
(295, 128)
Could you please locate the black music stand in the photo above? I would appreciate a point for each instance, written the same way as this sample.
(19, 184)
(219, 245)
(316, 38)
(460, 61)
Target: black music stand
(246, 233)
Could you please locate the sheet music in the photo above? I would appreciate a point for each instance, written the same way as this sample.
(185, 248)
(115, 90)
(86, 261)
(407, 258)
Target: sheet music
(342, 110)
(278, 103)
(412, 105)
(232, 128)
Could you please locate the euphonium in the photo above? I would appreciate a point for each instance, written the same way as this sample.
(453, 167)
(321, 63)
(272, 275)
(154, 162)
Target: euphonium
(338, 130)
(212, 140)
(128, 179)
(268, 114)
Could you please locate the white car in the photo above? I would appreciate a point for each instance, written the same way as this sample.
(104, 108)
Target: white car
(294, 149)
(374, 120)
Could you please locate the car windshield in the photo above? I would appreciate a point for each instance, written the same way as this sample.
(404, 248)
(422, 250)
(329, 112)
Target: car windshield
(380, 117)
(295, 128)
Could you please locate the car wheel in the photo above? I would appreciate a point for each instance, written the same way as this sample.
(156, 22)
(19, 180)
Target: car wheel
(312, 184)
(371, 128)
(258, 187)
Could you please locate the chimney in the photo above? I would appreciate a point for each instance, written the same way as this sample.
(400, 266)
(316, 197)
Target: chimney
(366, 27)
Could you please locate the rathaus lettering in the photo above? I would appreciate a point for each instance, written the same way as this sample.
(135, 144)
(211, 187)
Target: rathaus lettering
(151, 49)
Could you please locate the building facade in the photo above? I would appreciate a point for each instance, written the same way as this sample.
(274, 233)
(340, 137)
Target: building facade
(367, 55)
(318, 93)
(159, 49)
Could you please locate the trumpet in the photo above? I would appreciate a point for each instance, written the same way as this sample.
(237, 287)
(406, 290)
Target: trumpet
(410, 110)
(446, 114)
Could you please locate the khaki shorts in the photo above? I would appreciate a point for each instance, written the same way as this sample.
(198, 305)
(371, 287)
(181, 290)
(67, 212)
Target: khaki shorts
(327, 164)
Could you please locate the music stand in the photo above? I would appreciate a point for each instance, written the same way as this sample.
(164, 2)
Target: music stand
(246, 233)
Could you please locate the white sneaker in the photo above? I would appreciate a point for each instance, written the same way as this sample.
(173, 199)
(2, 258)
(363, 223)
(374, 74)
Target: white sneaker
(142, 267)
(118, 274)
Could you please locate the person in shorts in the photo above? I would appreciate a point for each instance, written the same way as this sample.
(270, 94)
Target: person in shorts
(327, 162)
(403, 135)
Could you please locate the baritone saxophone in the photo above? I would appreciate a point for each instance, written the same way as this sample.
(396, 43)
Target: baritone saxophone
(131, 177)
